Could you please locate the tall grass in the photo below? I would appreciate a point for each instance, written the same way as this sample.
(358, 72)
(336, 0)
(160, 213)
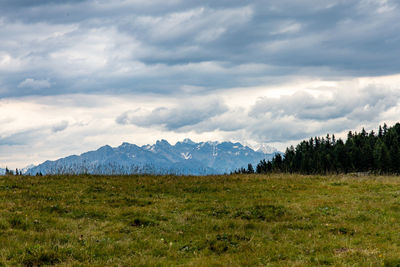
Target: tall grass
(277, 220)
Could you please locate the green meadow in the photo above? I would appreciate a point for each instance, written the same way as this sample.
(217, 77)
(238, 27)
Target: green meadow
(235, 220)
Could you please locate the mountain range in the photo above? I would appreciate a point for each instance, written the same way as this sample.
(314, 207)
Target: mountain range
(183, 158)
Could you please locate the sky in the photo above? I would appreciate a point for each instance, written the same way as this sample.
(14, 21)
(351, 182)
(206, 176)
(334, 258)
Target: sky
(78, 74)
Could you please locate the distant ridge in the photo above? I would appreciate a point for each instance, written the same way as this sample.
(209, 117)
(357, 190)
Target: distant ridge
(183, 158)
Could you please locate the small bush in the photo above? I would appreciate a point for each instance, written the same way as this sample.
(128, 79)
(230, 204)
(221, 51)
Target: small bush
(392, 263)
(142, 222)
(342, 231)
(19, 222)
(200, 189)
(38, 256)
(220, 213)
(4, 225)
(328, 211)
(262, 212)
(56, 209)
(360, 218)
(223, 242)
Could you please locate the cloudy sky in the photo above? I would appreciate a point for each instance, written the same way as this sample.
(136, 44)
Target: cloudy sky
(76, 75)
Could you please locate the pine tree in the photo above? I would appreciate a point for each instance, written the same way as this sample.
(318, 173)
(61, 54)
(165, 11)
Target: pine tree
(362, 152)
(394, 152)
(381, 157)
(250, 168)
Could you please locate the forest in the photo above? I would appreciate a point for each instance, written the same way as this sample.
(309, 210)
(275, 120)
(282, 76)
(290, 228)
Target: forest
(361, 152)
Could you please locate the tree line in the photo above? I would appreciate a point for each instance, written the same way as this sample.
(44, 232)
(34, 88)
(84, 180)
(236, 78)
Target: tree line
(11, 172)
(361, 152)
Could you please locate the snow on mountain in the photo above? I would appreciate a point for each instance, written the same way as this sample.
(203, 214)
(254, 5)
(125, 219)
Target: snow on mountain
(183, 158)
(266, 149)
(186, 155)
(25, 169)
(188, 141)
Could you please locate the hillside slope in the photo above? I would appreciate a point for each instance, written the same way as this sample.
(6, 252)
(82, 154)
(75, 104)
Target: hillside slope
(243, 220)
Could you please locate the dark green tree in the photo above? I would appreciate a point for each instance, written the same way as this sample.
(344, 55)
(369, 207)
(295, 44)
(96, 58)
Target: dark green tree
(250, 168)
(361, 152)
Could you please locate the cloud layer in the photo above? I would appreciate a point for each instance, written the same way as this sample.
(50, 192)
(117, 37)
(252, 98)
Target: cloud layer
(291, 116)
(78, 74)
(183, 115)
(164, 47)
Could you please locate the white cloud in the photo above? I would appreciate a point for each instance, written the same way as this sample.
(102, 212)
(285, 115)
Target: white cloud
(204, 24)
(34, 84)
(61, 126)
(127, 47)
(287, 27)
(199, 69)
(356, 104)
(49, 127)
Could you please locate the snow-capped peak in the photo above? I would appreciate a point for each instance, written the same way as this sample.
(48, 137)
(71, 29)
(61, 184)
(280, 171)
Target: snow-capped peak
(188, 141)
(125, 144)
(195, 159)
(149, 148)
(266, 149)
(213, 143)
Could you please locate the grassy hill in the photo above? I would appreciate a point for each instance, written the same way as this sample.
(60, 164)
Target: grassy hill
(273, 220)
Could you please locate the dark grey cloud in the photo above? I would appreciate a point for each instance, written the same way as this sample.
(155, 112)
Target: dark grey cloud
(175, 118)
(165, 46)
(30, 135)
(360, 105)
(289, 117)
(61, 126)
(24, 137)
(34, 84)
(88, 61)
(289, 129)
(303, 114)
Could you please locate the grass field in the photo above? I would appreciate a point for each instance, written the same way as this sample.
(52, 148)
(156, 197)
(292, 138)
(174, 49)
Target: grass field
(276, 220)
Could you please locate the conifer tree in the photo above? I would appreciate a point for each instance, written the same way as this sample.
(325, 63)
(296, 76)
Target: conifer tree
(361, 152)
(250, 168)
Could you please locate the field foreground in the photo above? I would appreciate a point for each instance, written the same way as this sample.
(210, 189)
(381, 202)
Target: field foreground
(284, 220)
